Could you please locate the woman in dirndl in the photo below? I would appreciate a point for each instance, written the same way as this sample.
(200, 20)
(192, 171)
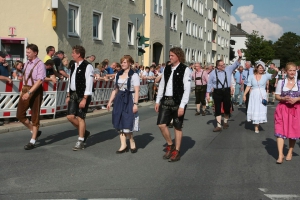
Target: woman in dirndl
(257, 109)
(287, 113)
(125, 97)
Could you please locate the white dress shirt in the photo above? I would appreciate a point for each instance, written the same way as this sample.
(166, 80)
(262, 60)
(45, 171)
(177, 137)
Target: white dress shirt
(169, 87)
(89, 79)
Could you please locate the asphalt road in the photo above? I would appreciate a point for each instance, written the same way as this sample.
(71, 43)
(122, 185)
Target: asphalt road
(234, 164)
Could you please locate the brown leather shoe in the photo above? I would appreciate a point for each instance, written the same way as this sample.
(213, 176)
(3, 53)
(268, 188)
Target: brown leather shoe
(197, 113)
(169, 149)
(225, 125)
(175, 156)
(217, 129)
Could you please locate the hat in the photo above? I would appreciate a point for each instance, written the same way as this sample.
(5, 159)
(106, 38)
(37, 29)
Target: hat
(259, 62)
(2, 54)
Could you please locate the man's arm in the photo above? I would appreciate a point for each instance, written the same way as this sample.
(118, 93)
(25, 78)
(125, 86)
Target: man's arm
(161, 88)
(4, 78)
(187, 88)
(89, 80)
(62, 72)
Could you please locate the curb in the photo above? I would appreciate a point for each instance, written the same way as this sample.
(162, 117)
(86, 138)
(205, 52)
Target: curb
(50, 122)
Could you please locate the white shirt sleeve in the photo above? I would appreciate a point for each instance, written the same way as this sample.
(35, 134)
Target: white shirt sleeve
(135, 79)
(161, 88)
(89, 80)
(233, 82)
(278, 87)
(187, 88)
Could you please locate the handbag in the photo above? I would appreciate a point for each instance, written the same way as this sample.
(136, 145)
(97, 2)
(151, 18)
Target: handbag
(263, 101)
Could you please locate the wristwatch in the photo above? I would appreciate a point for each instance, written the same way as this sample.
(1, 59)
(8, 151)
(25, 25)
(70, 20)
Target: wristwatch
(136, 104)
(29, 92)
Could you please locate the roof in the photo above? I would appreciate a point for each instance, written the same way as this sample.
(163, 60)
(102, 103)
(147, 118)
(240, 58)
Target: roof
(235, 31)
(230, 2)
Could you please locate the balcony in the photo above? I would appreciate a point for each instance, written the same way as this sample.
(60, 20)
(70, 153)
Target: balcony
(215, 26)
(215, 5)
(214, 47)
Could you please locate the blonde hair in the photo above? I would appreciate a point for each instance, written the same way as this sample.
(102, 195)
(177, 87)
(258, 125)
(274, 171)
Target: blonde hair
(65, 59)
(289, 65)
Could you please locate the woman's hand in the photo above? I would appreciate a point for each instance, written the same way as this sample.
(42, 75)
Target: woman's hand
(244, 98)
(135, 108)
(292, 100)
(108, 106)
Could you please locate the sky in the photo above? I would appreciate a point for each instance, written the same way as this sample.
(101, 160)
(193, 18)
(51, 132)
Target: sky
(271, 18)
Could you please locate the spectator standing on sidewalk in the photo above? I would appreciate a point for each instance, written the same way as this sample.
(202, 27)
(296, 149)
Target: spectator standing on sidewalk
(57, 58)
(17, 71)
(79, 94)
(149, 76)
(172, 98)
(32, 93)
(4, 75)
(50, 50)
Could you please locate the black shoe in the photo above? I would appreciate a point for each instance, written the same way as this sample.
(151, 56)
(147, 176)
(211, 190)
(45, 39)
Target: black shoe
(122, 151)
(133, 150)
(86, 135)
(29, 146)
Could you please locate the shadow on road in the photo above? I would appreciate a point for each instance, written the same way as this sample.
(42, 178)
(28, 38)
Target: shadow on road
(101, 137)
(56, 137)
(143, 140)
(271, 147)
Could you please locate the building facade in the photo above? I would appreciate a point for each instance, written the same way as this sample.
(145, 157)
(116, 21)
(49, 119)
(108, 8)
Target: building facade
(106, 30)
(200, 27)
(238, 39)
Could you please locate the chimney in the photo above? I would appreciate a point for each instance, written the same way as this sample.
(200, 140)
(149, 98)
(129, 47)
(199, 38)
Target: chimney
(239, 25)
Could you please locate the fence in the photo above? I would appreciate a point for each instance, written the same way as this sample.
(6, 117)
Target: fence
(54, 96)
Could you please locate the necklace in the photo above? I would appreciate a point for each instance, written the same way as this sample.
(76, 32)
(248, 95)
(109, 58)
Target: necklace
(291, 81)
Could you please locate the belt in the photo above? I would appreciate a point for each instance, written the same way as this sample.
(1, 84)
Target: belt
(168, 97)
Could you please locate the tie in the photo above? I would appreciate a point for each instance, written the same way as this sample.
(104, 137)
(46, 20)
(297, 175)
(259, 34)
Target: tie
(247, 74)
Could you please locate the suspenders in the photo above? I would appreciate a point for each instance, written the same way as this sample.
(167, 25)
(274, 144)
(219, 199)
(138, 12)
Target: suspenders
(200, 77)
(218, 80)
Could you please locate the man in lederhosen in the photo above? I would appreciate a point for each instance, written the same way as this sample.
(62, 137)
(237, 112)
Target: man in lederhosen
(172, 98)
(219, 83)
(200, 77)
(32, 93)
(79, 94)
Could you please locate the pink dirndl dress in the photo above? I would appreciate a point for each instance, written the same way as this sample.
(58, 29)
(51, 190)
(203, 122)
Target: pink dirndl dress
(287, 116)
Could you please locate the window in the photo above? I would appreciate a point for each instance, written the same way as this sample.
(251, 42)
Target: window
(188, 27)
(195, 6)
(173, 21)
(97, 25)
(181, 11)
(180, 39)
(115, 33)
(219, 21)
(205, 4)
(199, 56)
(205, 22)
(130, 34)
(219, 40)
(73, 20)
(158, 7)
(210, 14)
(201, 8)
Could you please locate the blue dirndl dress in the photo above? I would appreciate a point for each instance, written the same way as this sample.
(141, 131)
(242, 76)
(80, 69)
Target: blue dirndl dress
(123, 118)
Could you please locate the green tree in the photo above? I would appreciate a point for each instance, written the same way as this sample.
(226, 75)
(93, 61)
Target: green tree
(258, 48)
(287, 48)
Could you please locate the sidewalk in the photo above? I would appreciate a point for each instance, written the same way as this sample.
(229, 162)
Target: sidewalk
(16, 126)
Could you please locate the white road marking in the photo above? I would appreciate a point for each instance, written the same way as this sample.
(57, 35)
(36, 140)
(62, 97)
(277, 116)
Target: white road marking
(282, 196)
(263, 189)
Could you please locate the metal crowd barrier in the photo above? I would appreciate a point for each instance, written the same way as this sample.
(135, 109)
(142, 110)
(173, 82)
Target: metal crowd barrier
(55, 96)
